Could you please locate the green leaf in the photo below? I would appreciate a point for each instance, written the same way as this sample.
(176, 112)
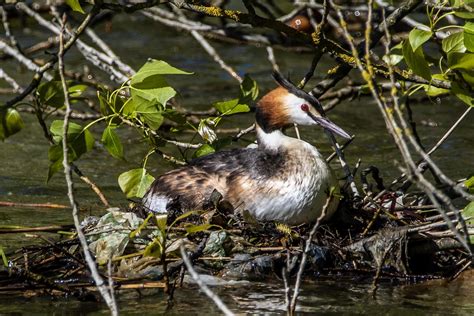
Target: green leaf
(204, 150)
(75, 133)
(462, 94)
(80, 141)
(82, 144)
(461, 61)
(418, 37)
(135, 182)
(454, 43)
(104, 105)
(248, 89)
(129, 108)
(469, 36)
(112, 142)
(142, 226)
(153, 88)
(148, 83)
(392, 59)
(150, 113)
(12, 122)
(469, 183)
(156, 67)
(183, 216)
(51, 93)
(154, 120)
(154, 249)
(55, 157)
(56, 130)
(468, 77)
(462, 13)
(4, 257)
(434, 91)
(161, 220)
(191, 229)
(231, 107)
(75, 5)
(468, 211)
(76, 90)
(415, 60)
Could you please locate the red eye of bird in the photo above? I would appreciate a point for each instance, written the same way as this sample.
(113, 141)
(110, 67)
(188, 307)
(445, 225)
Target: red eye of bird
(305, 107)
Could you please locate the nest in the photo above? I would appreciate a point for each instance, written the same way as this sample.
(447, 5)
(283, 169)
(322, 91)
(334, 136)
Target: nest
(392, 240)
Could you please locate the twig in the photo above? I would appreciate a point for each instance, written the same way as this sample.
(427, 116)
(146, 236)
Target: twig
(15, 53)
(272, 59)
(3, 75)
(6, 27)
(219, 303)
(108, 297)
(35, 205)
(42, 71)
(106, 49)
(111, 281)
(97, 58)
(244, 131)
(343, 69)
(305, 255)
(213, 53)
(51, 228)
(334, 154)
(93, 186)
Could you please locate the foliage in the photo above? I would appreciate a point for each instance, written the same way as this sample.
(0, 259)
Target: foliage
(143, 102)
(10, 122)
(451, 63)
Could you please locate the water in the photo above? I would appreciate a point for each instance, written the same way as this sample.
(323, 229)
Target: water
(23, 161)
(317, 297)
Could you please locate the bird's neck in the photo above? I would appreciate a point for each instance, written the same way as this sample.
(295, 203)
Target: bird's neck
(276, 140)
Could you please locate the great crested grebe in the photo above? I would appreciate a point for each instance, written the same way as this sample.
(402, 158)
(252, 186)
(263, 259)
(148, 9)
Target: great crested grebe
(283, 179)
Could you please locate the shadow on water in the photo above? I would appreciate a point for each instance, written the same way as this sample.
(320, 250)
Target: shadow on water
(23, 161)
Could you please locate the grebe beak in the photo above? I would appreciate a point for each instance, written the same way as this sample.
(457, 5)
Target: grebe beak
(330, 126)
(316, 116)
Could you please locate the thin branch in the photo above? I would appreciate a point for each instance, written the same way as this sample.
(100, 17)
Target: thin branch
(219, 303)
(42, 71)
(304, 257)
(3, 75)
(343, 69)
(272, 59)
(108, 297)
(213, 53)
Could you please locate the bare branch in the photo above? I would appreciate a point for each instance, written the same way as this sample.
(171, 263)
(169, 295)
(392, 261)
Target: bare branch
(108, 297)
(219, 303)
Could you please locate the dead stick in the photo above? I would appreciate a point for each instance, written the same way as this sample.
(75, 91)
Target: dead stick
(52, 228)
(36, 205)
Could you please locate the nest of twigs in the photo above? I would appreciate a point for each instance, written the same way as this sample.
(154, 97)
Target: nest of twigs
(396, 238)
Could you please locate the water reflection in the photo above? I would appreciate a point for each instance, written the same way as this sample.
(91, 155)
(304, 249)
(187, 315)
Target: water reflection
(320, 297)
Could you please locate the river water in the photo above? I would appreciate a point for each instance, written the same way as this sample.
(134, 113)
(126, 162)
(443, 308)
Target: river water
(23, 165)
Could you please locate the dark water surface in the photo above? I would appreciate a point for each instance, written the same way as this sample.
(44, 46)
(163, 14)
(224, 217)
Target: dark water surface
(23, 168)
(319, 297)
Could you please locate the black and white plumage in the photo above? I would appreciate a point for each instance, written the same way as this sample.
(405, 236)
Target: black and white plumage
(282, 179)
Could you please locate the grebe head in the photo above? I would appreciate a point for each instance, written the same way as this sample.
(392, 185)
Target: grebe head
(286, 105)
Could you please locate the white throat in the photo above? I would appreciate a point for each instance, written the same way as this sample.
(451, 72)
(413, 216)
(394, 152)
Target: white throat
(271, 141)
(276, 140)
